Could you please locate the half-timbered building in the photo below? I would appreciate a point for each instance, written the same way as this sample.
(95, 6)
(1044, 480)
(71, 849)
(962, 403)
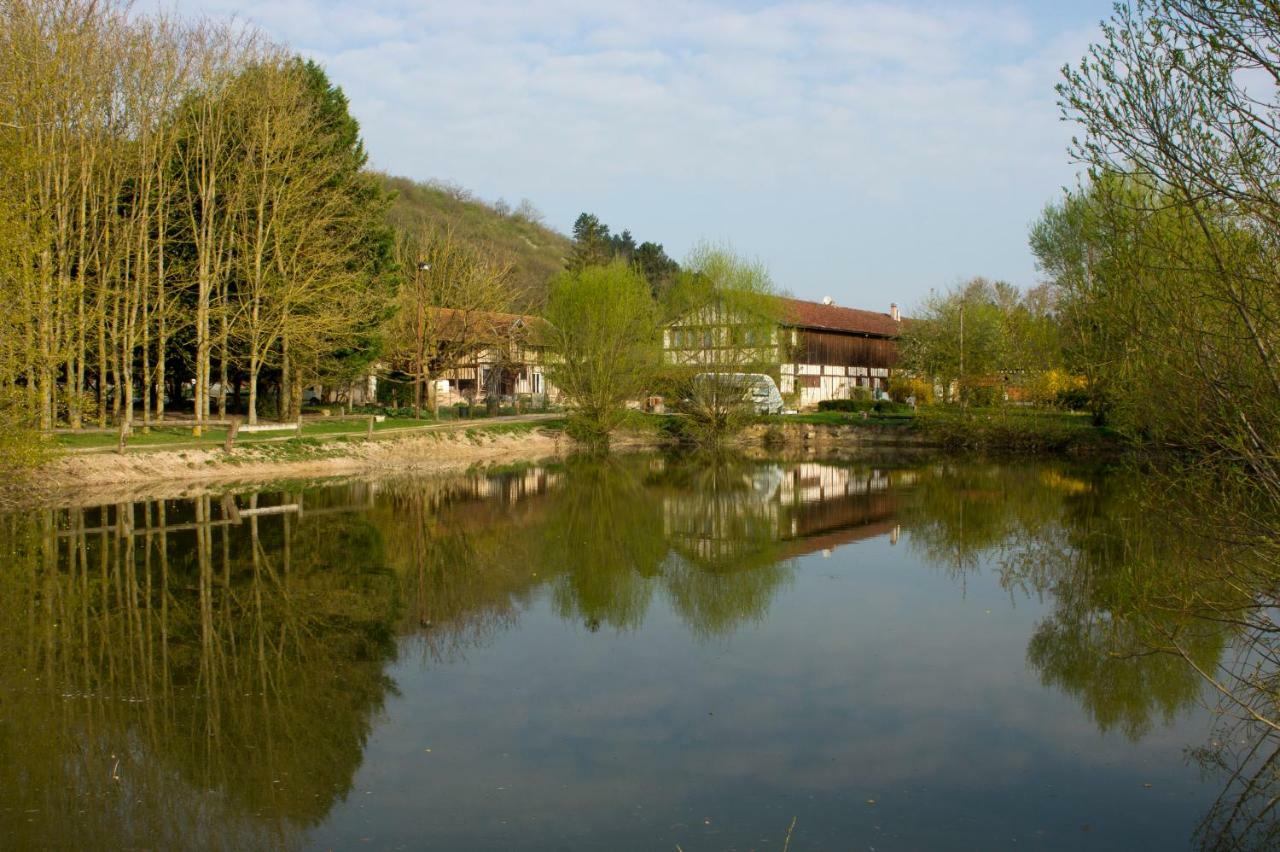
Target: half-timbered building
(822, 351)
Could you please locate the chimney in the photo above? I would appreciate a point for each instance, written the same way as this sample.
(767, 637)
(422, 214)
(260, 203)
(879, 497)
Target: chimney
(893, 312)
(828, 301)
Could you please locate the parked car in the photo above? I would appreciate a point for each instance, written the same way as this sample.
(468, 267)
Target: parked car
(759, 388)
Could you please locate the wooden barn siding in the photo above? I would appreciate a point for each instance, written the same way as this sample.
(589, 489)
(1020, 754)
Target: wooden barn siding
(845, 350)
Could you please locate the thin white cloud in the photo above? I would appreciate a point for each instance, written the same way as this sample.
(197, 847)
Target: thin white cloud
(577, 104)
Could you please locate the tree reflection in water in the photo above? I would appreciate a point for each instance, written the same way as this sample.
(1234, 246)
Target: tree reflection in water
(207, 672)
(174, 678)
(1161, 598)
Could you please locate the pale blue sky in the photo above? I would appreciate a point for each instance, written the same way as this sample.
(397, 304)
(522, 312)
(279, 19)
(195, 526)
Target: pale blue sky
(866, 151)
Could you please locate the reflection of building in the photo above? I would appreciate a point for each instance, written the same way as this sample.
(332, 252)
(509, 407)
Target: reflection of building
(806, 507)
(824, 351)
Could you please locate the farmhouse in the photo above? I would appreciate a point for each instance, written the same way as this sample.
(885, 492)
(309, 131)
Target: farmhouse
(483, 355)
(822, 351)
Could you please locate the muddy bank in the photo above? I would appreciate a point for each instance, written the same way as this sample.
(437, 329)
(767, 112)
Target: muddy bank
(834, 436)
(90, 479)
(108, 477)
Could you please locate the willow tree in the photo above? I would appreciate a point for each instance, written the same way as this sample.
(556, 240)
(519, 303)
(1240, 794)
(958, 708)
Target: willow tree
(724, 332)
(605, 346)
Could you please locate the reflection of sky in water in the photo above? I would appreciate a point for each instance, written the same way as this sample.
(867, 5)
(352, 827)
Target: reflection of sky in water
(872, 677)
(629, 655)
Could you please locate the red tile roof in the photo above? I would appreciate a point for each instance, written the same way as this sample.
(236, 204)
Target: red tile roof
(816, 315)
(490, 326)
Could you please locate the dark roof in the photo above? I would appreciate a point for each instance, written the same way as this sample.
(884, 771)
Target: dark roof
(818, 316)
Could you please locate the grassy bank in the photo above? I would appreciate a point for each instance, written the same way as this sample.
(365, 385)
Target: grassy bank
(1016, 430)
(974, 430)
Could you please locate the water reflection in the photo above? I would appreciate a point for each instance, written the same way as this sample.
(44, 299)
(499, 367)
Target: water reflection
(209, 672)
(185, 675)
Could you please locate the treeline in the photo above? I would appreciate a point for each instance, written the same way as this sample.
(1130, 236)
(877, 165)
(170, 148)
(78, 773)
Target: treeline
(186, 205)
(981, 342)
(595, 245)
(1162, 269)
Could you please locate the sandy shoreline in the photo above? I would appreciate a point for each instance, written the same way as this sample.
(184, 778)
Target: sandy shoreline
(97, 478)
(107, 477)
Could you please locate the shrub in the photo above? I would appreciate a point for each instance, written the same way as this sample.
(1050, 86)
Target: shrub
(846, 404)
(1073, 399)
(901, 388)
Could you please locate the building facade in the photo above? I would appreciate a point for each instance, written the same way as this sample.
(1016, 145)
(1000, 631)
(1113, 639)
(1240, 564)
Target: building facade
(496, 355)
(821, 351)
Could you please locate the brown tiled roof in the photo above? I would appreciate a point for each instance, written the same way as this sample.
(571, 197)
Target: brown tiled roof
(816, 315)
(837, 538)
(491, 326)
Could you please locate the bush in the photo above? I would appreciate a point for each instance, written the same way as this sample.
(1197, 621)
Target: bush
(21, 446)
(902, 388)
(880, 406)
(847, 404)
(1073, 399)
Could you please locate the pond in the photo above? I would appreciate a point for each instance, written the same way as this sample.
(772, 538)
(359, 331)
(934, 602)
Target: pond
(649, 652)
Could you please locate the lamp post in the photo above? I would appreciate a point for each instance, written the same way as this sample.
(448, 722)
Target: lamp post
(420, 335)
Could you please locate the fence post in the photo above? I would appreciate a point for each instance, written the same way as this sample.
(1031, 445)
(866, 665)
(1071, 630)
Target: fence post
(369, 433)
(299, 426)
(232, 428)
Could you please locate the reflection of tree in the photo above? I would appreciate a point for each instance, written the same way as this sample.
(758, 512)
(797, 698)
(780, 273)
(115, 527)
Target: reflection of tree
(727, 559)
(462, 551)
(603, 542)
(960, 512)
(171, 689)
(1161, 595)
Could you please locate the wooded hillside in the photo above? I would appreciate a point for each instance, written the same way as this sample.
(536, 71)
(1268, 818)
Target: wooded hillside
(512, 235)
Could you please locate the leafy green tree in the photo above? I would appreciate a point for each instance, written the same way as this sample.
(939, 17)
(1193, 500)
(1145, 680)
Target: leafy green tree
(1180, 97)
(961, 340)
(723, 323)
(593, 244)
(605, 345)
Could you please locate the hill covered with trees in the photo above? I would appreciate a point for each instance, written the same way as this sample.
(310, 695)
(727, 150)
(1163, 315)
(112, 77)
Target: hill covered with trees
(515, 236)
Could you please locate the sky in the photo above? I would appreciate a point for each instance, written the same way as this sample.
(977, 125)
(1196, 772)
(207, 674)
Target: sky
(866, 151)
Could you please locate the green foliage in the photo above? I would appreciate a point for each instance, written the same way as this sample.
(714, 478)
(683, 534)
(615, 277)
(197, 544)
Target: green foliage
(1013, 430)
(880, 406)
(535, 252)
(1168, 258)
(845, 405)
(21, 446)
(594, 245)
(972, 340)
(728, 304)
(605, 344)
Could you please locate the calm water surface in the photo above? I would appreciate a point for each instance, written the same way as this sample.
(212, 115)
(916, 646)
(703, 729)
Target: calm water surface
(621, 655)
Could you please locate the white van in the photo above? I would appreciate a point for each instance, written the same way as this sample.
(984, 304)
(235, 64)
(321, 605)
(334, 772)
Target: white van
(759, 388)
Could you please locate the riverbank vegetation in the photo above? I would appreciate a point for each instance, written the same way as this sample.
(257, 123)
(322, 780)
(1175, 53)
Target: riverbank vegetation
(193, 230)
(1160, 310)
(192, 206)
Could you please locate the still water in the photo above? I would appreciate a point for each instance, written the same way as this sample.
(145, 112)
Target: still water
(644, 653)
